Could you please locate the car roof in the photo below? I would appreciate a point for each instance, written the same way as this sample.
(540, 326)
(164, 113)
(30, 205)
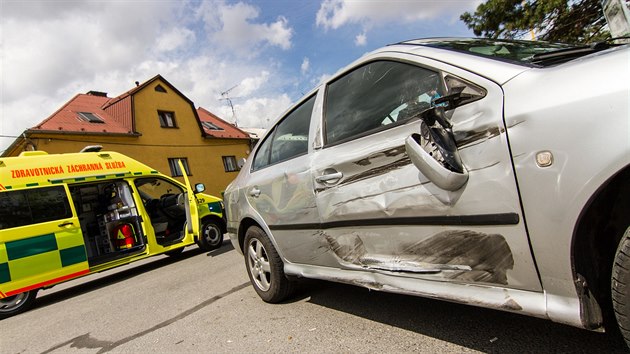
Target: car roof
(497, 59)
(497, 71)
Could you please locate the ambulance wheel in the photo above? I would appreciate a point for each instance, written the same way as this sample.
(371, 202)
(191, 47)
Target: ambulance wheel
(265, 268)
(175, 252)
(211, 236)
(15, 304)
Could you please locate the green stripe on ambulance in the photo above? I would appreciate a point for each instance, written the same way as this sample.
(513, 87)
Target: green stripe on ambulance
(43, 253)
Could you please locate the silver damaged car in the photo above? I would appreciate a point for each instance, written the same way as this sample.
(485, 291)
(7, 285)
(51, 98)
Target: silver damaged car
(488, 172)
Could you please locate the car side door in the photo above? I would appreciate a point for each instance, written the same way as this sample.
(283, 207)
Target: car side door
(279, 188)
(384, 203)
(41, 242)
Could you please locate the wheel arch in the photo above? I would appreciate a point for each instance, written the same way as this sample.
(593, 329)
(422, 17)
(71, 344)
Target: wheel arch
(242, 229)
(597, 233)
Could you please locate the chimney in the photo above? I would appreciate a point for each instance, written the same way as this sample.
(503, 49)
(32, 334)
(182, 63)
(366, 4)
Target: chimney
(97, 93)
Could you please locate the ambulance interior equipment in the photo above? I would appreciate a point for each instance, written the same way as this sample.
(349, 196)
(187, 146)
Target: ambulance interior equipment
(111, 223)
(109, 220)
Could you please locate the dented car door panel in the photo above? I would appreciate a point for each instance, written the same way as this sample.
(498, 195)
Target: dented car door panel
(385, 215)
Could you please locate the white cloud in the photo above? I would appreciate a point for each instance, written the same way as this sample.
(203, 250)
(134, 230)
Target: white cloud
(333, 14)
(234, 27)
(251, 84)
(305, 66)
(175, 39)
(261, 112)
(360, 40)
(51, 53)
(52, 50)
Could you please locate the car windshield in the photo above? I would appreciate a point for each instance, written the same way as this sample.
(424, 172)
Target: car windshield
(515, 51)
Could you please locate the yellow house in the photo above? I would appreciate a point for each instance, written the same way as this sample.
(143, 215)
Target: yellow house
(153, 123)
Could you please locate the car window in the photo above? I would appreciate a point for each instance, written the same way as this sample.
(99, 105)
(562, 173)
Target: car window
(262, 154)
(288, 139)
(155, 188)
(32, 206)
(376, 95)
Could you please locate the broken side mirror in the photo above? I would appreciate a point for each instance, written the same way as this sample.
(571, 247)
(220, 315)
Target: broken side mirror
(434, 151)
(436, 114)
(436, 171)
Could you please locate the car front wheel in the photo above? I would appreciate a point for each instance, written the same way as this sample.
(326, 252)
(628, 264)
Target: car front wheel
(621, 285)
(211, 236)
(15, 304)
(264, 267)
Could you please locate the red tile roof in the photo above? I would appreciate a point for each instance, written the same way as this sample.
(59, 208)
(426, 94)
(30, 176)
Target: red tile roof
(67, 118)
(116, 114)
(227, 129)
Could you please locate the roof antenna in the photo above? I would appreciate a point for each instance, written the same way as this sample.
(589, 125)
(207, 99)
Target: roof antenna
(225, 95)
(92, 148)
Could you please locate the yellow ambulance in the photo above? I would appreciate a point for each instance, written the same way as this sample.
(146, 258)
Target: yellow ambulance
(63, 216)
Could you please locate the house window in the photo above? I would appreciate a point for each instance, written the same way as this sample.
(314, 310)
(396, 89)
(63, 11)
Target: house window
(159, 88)
(174, 166)
(229, 163)
(211, 126)
(167, 119)
(90, 117)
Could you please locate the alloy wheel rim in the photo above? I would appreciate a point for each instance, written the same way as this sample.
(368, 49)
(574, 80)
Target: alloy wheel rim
(259, 266)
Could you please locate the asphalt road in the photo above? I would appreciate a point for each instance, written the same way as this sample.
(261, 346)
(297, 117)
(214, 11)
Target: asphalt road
(202, 302)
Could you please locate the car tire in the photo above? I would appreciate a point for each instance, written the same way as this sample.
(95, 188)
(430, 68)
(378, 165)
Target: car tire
(620, 285)
(174, 252)
(265, 268)
(211, 236)
(15, 304)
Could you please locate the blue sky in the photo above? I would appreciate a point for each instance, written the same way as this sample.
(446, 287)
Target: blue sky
(269, 52)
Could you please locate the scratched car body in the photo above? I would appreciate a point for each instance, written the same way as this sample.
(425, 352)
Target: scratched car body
(492, 173)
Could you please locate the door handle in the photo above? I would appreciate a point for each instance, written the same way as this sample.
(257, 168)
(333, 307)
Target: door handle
(329, 177)
(66, 224)
(254, 192)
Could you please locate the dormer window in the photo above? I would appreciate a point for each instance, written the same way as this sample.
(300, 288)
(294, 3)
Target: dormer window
(159, 88)
(167, 119)
(211, 126)
(90, 117)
